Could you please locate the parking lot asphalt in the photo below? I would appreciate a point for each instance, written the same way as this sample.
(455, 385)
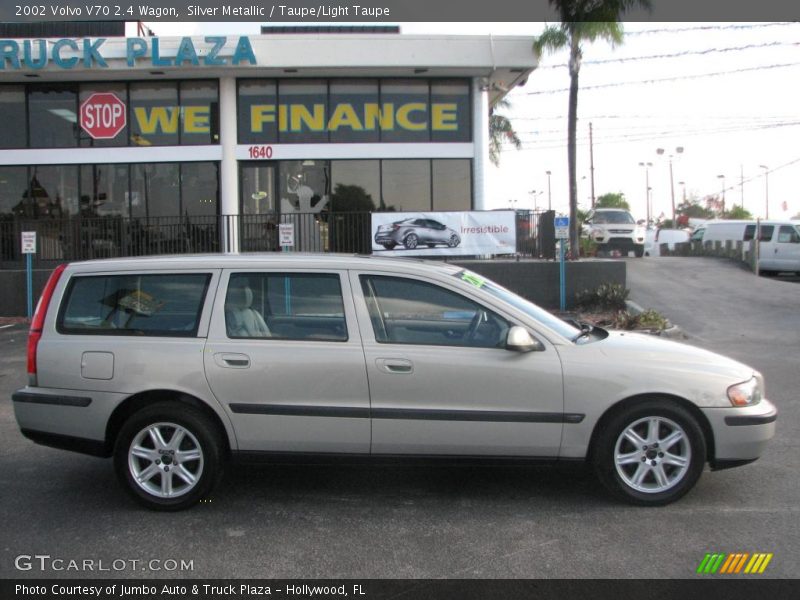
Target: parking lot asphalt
(453, 522)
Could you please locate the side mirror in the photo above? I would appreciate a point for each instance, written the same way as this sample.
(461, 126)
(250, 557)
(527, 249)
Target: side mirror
(519, 340)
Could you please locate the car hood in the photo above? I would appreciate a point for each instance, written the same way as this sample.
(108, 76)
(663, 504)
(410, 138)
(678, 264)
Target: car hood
(634, 349)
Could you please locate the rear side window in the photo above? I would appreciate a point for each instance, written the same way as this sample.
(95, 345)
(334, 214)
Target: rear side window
(285, 306)
(130, 304)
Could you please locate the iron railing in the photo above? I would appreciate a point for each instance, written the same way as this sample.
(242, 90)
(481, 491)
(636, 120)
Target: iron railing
(81, 238)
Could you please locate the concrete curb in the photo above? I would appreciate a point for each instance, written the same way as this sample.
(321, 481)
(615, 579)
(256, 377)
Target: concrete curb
(672, 331)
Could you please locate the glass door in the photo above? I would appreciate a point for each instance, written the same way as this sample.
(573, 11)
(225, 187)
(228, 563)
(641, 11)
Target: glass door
(259, 209)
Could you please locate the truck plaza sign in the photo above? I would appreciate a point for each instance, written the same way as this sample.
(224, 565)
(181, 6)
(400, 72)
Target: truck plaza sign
(67, 53)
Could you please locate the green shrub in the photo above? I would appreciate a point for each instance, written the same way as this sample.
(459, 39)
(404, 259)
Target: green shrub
(609, 296)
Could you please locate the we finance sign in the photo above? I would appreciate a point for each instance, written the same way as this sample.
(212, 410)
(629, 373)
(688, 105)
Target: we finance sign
(212, 51)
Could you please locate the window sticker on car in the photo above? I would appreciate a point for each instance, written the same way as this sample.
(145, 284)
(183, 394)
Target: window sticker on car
(473, 279)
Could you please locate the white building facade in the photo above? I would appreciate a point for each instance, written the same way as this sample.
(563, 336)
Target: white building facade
(110, 143)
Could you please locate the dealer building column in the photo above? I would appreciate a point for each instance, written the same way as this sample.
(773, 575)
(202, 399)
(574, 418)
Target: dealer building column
(229, 168)
(480, 140)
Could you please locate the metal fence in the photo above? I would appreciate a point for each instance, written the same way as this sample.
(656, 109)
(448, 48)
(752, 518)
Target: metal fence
(81, 238)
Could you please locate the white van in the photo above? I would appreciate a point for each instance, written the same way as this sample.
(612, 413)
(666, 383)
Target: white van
(779, 250)
(655, 237)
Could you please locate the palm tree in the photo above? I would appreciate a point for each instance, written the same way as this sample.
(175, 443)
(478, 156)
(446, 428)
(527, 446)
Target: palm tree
(501, 130)
(581, 21)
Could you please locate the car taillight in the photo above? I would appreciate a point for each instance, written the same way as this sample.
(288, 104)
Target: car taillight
(37, 324)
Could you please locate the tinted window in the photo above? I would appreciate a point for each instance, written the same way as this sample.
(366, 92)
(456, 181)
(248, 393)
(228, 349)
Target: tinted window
(299, 306)
(406, 311)
(788, 235)
(153, 305)
(766, 232)
(53, 116)
(12, 107)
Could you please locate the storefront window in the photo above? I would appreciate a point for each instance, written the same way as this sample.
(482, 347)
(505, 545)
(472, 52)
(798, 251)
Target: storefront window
(452, 184)
(13, 191)
(302, 113)
(304, 186)
(350, 119)
(405, 105)
(450, 111)
(53, 116)
(406, 185)
(199, 112)
(199, 189)
(155, 114)
(52, 192)
(355, 185)
(12, 107)
(258, 189)
(155, 190)
(120, 90)
(104, 190)
(258, 112)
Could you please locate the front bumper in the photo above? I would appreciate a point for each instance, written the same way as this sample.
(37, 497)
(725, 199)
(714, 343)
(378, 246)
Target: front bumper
(741, 434)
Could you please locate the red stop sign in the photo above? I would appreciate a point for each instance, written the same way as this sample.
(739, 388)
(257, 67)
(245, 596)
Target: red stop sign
(103, 115)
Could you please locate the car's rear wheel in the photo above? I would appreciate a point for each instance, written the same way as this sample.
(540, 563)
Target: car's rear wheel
(168, 456)
(651, 453)
(411, 241)
(389, 245)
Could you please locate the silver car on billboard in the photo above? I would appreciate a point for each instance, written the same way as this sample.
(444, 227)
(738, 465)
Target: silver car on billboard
(415, 232)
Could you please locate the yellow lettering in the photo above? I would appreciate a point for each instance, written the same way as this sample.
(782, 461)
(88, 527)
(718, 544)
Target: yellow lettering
(164, 118)
(444, 117)
(376, 117)
(260, 114)
(344, 116)
(196, 119)
(302, 116)
(403, 116)
(282, 118)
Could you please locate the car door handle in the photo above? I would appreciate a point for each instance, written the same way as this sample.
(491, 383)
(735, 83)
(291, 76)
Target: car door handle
(395, 365)
(232, 361)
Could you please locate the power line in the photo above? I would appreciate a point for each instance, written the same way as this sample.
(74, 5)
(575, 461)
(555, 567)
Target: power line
(710, 28)
(677, 54)
(667, 79)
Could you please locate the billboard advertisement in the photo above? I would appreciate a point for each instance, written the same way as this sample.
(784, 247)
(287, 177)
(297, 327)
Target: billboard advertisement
(444, 233)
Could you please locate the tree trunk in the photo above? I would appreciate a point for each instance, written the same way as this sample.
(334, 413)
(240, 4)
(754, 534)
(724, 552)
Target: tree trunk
(572, 124)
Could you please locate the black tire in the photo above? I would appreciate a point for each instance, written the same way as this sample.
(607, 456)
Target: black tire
(199, 433)
(389, 245)
(431, 245)
(453, 241)
(677, 480)
(411, 241)
(638, 251)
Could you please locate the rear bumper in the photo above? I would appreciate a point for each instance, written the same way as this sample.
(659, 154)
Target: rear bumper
(66, 419)
(741, 434)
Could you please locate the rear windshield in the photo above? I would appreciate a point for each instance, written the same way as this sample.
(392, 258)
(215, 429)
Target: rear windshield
(131, 304)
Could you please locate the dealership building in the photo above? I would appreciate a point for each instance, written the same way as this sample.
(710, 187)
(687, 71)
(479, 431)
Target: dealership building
(133, 145)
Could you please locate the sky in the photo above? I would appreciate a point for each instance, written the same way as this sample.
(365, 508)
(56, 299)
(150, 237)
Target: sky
(726, 98)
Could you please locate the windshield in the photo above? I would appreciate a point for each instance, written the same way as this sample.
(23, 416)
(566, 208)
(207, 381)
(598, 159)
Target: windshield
(615, 217)
(529, 308)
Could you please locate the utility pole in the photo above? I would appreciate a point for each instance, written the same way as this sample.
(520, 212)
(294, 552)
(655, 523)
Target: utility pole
(591, 161)
(741, 184)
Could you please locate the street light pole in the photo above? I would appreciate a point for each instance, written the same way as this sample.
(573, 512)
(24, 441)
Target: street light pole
(766, 189)
(723, 193)
(647, 166)
(678, 150)
(549, 195)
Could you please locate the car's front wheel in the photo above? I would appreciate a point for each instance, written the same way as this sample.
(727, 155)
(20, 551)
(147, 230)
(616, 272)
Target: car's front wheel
(453, 241)
(651, 453)
(168, 456)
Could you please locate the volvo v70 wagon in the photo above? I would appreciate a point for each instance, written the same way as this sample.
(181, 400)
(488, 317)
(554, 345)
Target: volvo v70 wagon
(176, 365)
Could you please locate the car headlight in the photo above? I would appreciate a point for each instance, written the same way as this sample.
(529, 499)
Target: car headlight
(745, 394)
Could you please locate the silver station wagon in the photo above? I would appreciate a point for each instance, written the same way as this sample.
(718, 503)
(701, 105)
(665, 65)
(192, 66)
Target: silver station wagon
(176, 365)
